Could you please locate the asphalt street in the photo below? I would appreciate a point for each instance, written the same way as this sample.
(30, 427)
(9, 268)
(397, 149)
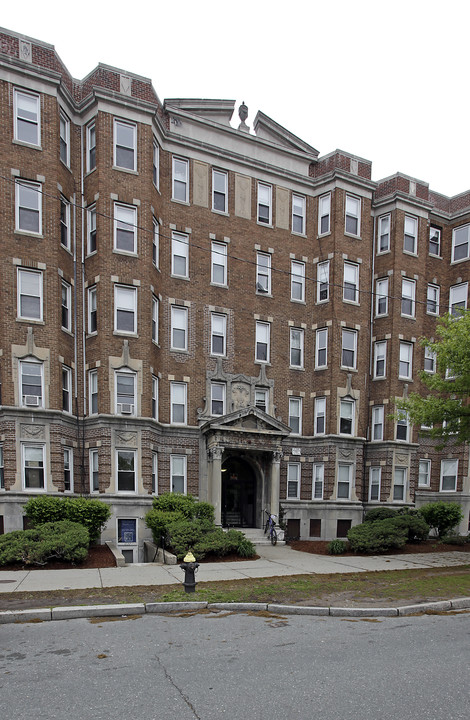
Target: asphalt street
(212, 665)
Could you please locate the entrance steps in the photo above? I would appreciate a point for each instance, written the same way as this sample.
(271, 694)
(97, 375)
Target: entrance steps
(257, 536)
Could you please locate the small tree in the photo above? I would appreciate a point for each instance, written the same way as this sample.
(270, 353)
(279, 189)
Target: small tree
(442, 517)
(447, 410)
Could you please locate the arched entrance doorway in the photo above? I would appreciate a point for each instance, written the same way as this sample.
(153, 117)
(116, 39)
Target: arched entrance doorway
(238, 493)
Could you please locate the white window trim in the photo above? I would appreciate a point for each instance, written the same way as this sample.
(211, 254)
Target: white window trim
(467, 256)
(155, 319)
(263, 271)
(134, 453)
(439, 235)
(131, 291)
(351, 269)
(430, 356)
(404, 473)
(320, 280)
(378, 420)
(22, 366)
(382, 234)
(223, 387)
(91, 229)
(380, 294)
(414, 234)
(269, 205)
(155, 397)
(375, 470)
(92, 380)
(64, 203)
(67, 373)
(173, 386)
(156, 244)
(92, 454)
(184, 459)
(16, 93)
(90, 130)
(68, 290)
(322, 213)
(352, 403)
(219, 259)
(320, 466)
(69, 451)
(295, 402)
(403, 421)
(427, 483)
(42, 447)
(343, 482)
(156, 163)
(455, 303)
(267, 327)
(302, 206)
(319, 412)
(353, 333)
(133, 147)
(447, 461)
(130, 406)
(223, 174)
(297, 279)
(296, 468)
(411, 284)
(179, 321)
(185, 182)
(66, 140)
(435, 289)
(356, 217)
(214, 333)
(154, 473)
(182, 239)
(130, 226)
(319, 333)
(380, 345)
(35, 187)
(20, 273)
(92, 308)
(409, 361)
(293, 331)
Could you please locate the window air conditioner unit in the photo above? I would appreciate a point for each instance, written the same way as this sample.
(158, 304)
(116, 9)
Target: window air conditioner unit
(31, 400)
(127, 408)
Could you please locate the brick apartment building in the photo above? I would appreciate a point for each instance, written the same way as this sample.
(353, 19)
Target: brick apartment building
(201, 307)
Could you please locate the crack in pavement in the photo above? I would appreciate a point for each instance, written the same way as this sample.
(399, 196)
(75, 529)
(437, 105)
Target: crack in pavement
(185, 698)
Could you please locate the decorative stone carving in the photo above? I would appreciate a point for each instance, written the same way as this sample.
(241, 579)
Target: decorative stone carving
(33, 432)
(243, 114)
(345, 454)
(240, 395)
(125, 85)
(26, 51)
(126, 438)
(402, 459)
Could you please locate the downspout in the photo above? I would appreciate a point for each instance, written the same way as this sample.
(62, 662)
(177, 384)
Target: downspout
(75, 339)
(371, 348)
(82, 206)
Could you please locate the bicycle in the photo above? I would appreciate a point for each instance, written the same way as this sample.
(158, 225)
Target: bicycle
(270, 527)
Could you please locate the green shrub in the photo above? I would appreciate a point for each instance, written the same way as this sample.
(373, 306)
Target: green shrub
(91, 513)
(175, 502)
(454, 539)
(379, 513)
(183, 535)
(159, 520)
(337, 547)
(442, 517)
(60, 540)
(246, 548)
(415, 525)
(377, 537)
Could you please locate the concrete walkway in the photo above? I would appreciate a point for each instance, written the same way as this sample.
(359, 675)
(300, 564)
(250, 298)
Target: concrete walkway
(273, 562)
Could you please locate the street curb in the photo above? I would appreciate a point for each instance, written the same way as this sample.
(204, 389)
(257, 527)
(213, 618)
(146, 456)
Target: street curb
(89, 611)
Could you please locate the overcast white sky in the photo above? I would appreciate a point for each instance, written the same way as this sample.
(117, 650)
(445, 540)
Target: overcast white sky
(388, 81)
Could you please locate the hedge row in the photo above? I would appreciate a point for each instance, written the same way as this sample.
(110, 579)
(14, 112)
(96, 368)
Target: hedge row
(62, 540)
(91, 513)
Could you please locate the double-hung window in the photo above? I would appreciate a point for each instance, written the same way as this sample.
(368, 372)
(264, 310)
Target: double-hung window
(125, 309)
(179, 255)
(32, 383)
(434, 241)
(297, 281)
(405, 368)
(179, 328)
(154, 397)
(155, 305)
(374, 483)
(383, 235)
(64, 135)
(154, 473)
(324, 213)
(125, 393)
(344, 481)
(156, 243)
(458, 295)
(27, 127)
(180, 183)
(261, 398)
(66, 307)
(449, 470)
(91, 229)
(323, 281)
(178, 471)
(156, 164)
(402, 426)
(351, 282)
(28, 207)
(30, 295)
(432, 300)
(68, 469)
(381, 297)
(178, 403)
(218, 334)
(429, 360)
(349, 349)
(424, 473)
(408, 293)
(94, 475)
(346, 417)
(410, 237)
(264, 203)
(320, 416)
(298, 214)
(218, 398)
(380, 359)
(66, 389)
(293, 481)
(318, 481)
(64, 223)
(92, 311)
(295, 415)
(125, 228)
(2, 470)
(90, 147)
(296, 347)
(263, 273)
(399, 484)
(378, 422)
(126, 471)
(34, 471)
(219, 191)
(93, 392)
(263, 333)
(461, 243)
(321, 348)
(125, 145)
(353, 216)
(219, 263)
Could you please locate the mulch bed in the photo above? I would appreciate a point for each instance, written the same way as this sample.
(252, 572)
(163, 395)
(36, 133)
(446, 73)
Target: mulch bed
(320, 547)
(99, 556)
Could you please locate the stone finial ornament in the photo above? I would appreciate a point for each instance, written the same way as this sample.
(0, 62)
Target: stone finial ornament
(243, 114)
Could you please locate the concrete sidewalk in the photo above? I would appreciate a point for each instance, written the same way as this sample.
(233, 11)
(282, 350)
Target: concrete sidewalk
(273, 561)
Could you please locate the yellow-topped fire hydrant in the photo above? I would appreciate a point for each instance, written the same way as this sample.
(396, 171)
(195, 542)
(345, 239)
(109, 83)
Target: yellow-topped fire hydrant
(189, 566)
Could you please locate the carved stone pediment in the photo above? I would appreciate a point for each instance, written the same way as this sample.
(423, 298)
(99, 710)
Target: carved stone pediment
(248, 419)
(32, 432)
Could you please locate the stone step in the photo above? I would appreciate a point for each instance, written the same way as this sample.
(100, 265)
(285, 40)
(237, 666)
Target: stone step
(257, 536)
